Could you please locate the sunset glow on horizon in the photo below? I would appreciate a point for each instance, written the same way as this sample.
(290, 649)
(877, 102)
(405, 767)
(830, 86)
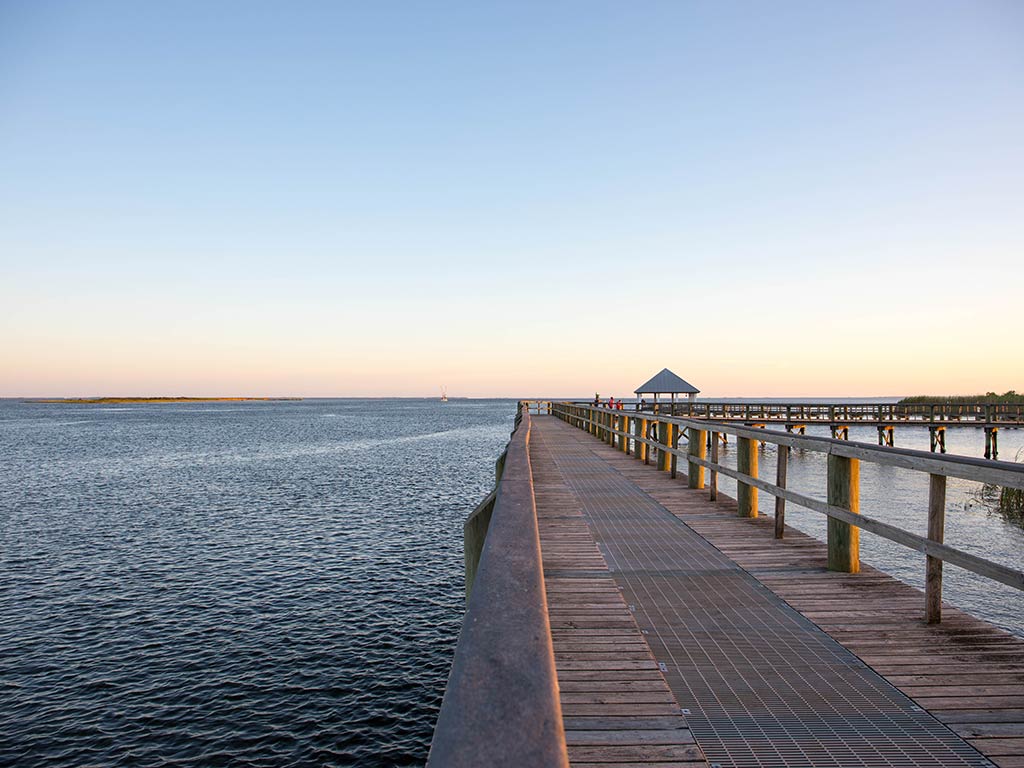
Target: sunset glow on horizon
(514, 201)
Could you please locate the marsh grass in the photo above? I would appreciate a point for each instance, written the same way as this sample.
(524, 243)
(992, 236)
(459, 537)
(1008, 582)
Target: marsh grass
(1006, 502)
(1011, 397)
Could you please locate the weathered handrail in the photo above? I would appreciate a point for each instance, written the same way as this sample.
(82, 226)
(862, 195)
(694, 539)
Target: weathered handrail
(501, 706)
(843, 483)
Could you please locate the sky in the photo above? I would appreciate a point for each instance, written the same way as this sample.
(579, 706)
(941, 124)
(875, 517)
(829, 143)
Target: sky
(511, 199)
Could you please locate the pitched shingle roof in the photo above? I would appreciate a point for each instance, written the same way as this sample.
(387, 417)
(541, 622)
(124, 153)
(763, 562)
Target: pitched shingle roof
(665, 383)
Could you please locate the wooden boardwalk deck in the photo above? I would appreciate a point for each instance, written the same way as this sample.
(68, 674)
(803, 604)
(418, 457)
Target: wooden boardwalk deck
(681, 630)
(616, 704)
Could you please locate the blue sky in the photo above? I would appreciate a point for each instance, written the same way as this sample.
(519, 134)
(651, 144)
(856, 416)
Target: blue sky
(312, 198)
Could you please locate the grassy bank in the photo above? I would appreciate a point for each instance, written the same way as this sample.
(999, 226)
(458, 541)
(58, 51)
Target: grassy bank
(990, 398)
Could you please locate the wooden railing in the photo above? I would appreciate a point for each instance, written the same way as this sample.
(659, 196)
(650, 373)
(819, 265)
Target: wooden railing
(640, 432)
(501, 705)
(847, 413)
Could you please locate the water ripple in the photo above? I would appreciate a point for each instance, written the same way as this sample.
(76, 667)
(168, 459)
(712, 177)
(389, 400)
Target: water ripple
(257, 585)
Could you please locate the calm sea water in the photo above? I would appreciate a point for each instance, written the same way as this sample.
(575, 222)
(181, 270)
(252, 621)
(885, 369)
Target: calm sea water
(281, 584)
(266, 584)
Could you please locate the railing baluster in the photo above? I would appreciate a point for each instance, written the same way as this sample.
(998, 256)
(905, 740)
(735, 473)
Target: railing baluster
(843, 492)
(933, 565)
(780, 480)
(645, 449)
(714, 460)
(673, 462)
(664, 440)
(696, 446)
(746, 462)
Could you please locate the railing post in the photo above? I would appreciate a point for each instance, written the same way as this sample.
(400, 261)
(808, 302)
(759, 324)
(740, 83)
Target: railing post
(992, 443)
(642, 447)
(781, 468)
(665, 438)
(624, 437)
(714, 460)
(936, 533)
(696, 447)
(843, 492)
(673, 459)
(746, 462)
(474, 533)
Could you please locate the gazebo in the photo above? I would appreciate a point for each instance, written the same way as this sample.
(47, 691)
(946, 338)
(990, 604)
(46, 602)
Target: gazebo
(666, 383)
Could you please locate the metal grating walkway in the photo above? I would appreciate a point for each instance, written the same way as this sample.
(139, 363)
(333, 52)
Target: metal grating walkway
(759, 683)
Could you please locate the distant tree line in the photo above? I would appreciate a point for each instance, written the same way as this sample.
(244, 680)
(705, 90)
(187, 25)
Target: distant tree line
(989, 397)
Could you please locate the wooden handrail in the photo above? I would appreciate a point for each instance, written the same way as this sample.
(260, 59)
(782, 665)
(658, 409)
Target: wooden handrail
(501, 705)
(928, 413)
(1005, 473)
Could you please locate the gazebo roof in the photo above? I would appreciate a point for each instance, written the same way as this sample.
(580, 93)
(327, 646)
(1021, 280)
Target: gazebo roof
(666, 383)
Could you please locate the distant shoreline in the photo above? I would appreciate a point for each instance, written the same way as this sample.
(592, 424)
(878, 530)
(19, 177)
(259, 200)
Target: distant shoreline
(109, 400)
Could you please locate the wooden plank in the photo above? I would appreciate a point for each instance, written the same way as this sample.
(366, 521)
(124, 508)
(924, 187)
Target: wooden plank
(998, 746)
(625, 737)
(643, 753)
(978, 730)
(594, 723)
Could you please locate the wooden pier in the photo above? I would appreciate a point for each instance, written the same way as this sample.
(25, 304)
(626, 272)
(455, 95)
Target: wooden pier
(684, 630)
(892, 414)
(839, 417)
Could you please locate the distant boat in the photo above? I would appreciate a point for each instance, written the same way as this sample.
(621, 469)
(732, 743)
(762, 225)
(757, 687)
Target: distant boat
(444, 395)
